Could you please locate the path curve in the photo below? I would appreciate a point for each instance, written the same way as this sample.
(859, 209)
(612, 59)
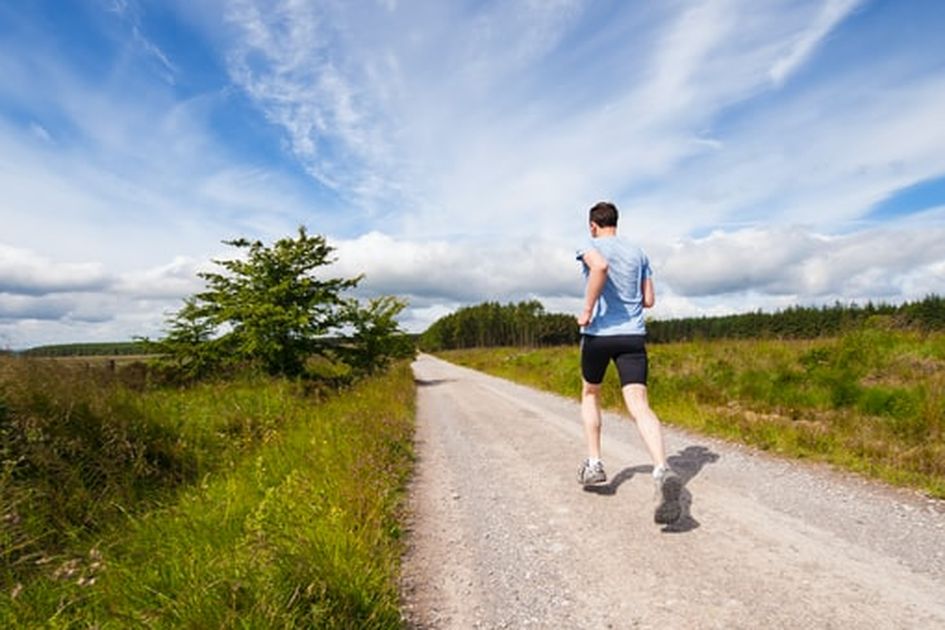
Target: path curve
(502, 536)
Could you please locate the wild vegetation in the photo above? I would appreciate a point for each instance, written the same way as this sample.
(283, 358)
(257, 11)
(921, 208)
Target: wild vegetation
(252, 475)
(253, 502)
(871, 400)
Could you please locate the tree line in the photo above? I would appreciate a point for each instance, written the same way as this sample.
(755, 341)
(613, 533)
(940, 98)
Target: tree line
(110, 348)
(493, 324)
(528, 324)
(801, 322)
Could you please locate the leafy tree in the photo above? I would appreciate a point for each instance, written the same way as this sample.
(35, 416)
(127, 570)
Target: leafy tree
(376, 339)
(273, 307)
(190, 348)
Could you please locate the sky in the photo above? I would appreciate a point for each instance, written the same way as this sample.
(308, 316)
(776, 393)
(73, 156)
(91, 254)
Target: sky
(764, 153)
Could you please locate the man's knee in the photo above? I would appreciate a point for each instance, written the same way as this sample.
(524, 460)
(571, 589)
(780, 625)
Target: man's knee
(636, 398)
(590, 389)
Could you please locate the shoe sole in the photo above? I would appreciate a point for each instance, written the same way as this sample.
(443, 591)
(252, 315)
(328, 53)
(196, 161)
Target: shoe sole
(592, 482)
(669, 510)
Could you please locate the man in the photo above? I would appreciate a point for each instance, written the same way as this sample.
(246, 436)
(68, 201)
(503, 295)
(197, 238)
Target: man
(619, 286)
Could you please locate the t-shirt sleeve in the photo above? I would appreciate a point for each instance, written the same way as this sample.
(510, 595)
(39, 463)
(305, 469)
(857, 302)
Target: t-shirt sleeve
(645, 270)
(582, 249)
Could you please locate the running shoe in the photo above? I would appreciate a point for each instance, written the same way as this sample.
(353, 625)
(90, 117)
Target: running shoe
(591, 473)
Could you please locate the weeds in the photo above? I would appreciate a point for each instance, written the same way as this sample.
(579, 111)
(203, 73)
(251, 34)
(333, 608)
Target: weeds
(246, 503)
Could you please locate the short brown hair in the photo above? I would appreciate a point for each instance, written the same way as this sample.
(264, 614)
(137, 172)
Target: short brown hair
(604, 214)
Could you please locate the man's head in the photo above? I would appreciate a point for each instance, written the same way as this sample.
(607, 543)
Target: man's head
(603, 215)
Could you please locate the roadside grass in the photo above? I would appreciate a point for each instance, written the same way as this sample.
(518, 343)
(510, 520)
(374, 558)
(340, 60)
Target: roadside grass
(871, 401)
(249, 503)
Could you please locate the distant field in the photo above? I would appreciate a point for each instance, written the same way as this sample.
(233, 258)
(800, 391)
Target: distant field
(871, 401)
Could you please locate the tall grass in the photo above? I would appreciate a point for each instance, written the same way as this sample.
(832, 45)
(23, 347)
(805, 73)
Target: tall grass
(872, 400)
(257, 505)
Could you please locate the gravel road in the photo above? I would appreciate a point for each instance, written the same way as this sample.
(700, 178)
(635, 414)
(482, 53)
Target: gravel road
(502, 535)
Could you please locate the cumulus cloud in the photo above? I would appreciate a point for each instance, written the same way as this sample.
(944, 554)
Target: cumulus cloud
(175, 280)
(745, 269)
(23, 272)
(459, 272)
(799, 264)
(37, 293)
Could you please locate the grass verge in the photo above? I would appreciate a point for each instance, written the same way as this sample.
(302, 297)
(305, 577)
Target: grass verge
(871, 401)
(291, 520)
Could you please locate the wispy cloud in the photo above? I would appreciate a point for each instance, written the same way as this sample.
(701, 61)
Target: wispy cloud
(285, 58)
(449, 124)
(830, 14)
(169, 70)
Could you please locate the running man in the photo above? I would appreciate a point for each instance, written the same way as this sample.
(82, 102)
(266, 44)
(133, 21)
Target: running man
(619, 285)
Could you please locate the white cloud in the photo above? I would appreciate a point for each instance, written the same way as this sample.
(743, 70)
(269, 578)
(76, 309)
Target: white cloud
(760, 267)
(173, 281)
(831, 13)
(23, 272)
(497, 118)
(167, 68)
(458, 272)
(802, 265)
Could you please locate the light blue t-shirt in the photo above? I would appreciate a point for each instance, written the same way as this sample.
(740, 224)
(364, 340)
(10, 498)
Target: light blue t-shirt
(619, 310)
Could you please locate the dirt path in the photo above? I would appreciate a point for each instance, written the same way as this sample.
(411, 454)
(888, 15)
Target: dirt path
(504, 537)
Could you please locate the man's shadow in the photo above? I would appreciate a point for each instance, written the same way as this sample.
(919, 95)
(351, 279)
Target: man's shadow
(687, 463)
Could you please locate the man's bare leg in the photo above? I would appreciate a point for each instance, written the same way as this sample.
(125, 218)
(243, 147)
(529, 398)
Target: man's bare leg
(590, 414)
(668, 482)
(647, 423)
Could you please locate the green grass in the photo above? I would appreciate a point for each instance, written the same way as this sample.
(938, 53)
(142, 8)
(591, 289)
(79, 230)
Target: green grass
(871, 401)
(269, 507)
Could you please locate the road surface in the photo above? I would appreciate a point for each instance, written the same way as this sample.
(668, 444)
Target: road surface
(502, 535)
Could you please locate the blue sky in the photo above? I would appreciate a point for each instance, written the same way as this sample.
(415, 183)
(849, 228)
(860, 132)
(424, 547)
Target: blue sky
(764, 153)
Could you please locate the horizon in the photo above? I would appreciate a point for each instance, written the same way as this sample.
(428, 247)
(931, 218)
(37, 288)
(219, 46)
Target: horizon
(825, 307)
(765, 155)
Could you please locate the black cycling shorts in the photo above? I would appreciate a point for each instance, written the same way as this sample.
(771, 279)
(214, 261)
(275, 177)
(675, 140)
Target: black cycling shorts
(627, 351)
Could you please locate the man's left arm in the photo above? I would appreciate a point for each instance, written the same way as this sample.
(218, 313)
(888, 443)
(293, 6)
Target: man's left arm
(596, 278)
(649, 293)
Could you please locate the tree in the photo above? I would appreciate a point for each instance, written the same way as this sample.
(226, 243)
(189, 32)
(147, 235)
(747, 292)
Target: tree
(189, 348)
(376, 338)
(274, 308)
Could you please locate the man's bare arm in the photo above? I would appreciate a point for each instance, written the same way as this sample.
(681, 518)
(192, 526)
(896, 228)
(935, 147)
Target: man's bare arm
(649, 294)
(596, 279)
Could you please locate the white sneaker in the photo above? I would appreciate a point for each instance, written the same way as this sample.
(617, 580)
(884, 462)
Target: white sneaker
(590, 474)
